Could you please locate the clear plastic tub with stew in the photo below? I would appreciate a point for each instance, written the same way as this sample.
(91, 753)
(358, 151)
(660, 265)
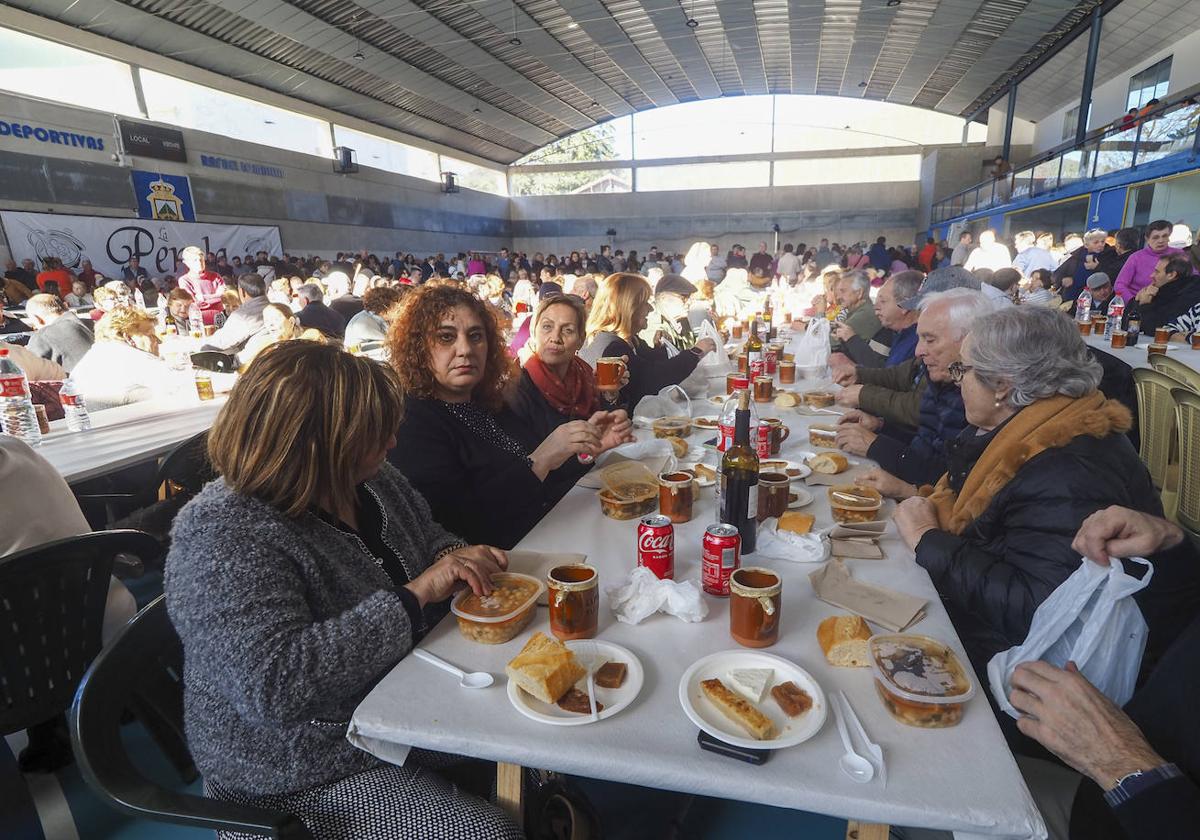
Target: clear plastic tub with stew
(495, 619)
(920, 680)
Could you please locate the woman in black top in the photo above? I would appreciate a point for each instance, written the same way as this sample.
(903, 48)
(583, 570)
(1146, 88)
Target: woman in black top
(618, 314)
(456, 445)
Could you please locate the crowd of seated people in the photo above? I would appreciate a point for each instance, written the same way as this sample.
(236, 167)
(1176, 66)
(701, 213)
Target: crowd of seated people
(984, 409)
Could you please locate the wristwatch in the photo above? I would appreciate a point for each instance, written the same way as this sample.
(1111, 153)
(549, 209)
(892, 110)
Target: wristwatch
(1134, 783)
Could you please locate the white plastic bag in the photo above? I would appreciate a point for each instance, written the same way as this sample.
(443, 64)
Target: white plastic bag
(811, 348)
(1092, 620)
(715, 363)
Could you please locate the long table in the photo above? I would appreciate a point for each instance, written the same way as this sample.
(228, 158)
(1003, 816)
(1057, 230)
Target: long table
(1136, 357)
(962, 778)
(127, 435)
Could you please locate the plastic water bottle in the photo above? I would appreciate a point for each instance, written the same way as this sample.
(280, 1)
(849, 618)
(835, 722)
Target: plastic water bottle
(1083, 307)
(17, 416)
(74, 407)
(139, 299)
(195, 321)
(1116, 311)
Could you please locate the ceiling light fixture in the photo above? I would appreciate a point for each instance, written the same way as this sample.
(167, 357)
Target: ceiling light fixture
(862, 84)
(893, 2)
(692, 23)
(358, 55)
(514, 40)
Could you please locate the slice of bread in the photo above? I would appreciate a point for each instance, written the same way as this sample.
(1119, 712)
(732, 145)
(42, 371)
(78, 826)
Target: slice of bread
(796, 522)
(829, 463)
(545, 668)
(843, 640)
(742, 712)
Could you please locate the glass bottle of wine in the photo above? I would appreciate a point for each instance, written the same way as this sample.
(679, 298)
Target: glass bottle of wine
(754, 345)
(739, 479)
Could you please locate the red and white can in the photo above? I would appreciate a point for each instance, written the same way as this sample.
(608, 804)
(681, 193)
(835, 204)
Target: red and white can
(761, 435)
(720, 557)
(740, 383)
(758, 367)
(724, 437)
(656, 545)
(771, 359)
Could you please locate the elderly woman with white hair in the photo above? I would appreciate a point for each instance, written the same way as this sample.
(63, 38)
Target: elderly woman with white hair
(1044, 450)
(1095, 254)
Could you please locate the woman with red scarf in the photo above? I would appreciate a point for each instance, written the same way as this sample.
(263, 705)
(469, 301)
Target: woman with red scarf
(556, 386)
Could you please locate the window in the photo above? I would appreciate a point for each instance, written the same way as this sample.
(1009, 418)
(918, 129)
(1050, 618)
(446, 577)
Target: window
(734, 126)
(559, 182)
(850, 170)
(388, 155)
(190, 105)
(1069, 123)
(826, 123)
(41, 68)
(1151, 83)
(704, 176)
(606, 141)
(475, 177)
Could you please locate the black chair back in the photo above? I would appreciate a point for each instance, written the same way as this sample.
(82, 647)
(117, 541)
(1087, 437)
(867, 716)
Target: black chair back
(186, 469)
(52, 611)
(215, 361)
(143, 669)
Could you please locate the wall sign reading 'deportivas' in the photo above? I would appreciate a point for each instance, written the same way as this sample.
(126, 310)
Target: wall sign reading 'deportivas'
(41, 134)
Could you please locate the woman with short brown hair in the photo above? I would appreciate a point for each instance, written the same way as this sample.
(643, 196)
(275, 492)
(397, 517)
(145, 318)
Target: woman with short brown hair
(458, 445)
(296, 581)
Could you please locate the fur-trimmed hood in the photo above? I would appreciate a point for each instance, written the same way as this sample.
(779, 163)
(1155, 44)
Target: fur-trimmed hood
(1047, 424)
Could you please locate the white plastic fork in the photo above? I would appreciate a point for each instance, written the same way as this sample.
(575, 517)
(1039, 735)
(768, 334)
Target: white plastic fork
(587, 651)
(874, 751)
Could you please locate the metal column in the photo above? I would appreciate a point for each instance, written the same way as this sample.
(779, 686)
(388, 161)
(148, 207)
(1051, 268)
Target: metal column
(1089, 75)
(1008, 121)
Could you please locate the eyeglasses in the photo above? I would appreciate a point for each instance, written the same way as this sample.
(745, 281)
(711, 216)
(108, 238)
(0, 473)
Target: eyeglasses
(957, 371)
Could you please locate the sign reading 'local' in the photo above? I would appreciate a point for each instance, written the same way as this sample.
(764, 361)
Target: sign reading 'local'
(146, 140)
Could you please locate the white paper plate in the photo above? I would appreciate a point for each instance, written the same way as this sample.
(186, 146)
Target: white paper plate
(805, 469)
(705, 429)
(708, 717)
(701, 481)
(614, 699)
(803, 497)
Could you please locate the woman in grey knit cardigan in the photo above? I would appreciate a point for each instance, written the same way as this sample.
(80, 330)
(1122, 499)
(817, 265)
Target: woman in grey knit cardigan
(296, 581)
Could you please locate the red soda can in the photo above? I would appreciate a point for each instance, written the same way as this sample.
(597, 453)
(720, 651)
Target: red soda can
(656, 545)
(771, 360)
(758, 367)
(721, 556)
(741, 383)
(761, 435)
(724, 437)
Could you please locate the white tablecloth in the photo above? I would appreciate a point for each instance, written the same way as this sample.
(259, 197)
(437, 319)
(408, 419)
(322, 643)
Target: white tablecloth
(126, 435)
(1136, 357)
(962, 778)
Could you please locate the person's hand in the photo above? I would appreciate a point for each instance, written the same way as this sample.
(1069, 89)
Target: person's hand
(854, 439)
(567, 440)
(887, 484)
(844, 374)
(868, 421)
(1090, 262)
(844, 331)
(848, 396)
(1068, 716)
(471, 566)
(706, 345)
(624, 371)
(615, 428)
(1147, 294)
(1121, 532)
(1067, 281)
(914, 517)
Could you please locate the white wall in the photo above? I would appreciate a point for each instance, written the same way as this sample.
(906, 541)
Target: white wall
(1109, 95)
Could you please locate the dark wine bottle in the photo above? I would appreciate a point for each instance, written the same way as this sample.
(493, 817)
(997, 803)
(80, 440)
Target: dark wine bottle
(739, 479)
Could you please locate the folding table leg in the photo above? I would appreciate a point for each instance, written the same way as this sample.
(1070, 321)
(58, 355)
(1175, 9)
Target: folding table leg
(866, 831)
(508, 791)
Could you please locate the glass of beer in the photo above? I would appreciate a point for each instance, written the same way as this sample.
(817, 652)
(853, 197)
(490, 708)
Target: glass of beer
(764, 389)
(1161, 335)
(736, 329)
(204, 385)
(1196, 340)
(787, 372)
(1119, 339)
(1085, 327)
(609, 371)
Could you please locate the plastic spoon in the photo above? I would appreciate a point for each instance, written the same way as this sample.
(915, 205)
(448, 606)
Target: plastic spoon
(474, 679)
(852, 764)
(874, 751)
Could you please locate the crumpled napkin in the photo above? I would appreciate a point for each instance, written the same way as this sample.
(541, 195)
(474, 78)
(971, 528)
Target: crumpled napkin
(784, 545)
(645, 594)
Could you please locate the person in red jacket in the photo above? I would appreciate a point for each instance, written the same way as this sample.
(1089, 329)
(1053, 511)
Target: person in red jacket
(203, 285)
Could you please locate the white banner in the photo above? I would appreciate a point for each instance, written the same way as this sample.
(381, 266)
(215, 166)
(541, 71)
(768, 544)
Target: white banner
(110, 243)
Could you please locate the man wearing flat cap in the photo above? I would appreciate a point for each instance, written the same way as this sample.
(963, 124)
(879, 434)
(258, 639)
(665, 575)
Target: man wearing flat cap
(669, 318)
(1101, 288)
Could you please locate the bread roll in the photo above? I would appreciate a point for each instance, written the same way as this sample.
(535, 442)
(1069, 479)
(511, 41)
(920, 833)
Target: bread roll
(545, 668)
(796, 522)
(829, 463)
(787, 401)
(679, 446)
(843, 640)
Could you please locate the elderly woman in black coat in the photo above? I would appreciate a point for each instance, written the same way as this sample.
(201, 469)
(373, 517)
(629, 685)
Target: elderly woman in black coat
(1044, 451)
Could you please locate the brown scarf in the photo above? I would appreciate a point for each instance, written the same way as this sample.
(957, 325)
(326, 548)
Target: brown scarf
(1047, 424)
(574, 395)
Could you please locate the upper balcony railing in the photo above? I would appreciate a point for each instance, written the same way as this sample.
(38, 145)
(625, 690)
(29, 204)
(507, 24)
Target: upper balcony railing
(1168, 130)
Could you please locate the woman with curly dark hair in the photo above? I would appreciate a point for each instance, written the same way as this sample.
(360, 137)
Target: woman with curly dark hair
(458, 445)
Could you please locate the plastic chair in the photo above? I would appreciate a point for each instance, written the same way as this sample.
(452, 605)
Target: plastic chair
(52, 613)
(1187, 507)
(215, 361)
(1157, 425)
(139, 668)
(1186, 375)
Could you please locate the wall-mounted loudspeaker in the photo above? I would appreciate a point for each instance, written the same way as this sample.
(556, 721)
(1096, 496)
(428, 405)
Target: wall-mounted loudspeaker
(344, 160)
(449, 184)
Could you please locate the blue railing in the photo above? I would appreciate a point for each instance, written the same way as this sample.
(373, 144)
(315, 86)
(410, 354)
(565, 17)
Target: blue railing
(1170, 131)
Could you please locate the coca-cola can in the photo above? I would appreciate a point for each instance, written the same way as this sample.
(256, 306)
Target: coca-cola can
(720, 557)
(762, 441)
(740, 383)
(656, 545)
(771, 359)
(758, 367)
(724, 437)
